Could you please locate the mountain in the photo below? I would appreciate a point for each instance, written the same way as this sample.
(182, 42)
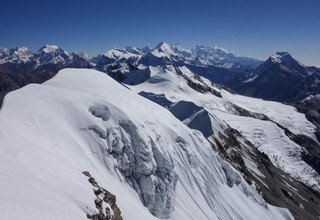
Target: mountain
(84, 55)
(217, 56)
(216, 64)
(17, 60)
(100, 151)
(21, 60)
(280, 78)
(55, 58)
(19, 66)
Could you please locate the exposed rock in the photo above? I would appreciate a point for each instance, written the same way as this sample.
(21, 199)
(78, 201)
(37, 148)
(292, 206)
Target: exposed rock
(108, 198)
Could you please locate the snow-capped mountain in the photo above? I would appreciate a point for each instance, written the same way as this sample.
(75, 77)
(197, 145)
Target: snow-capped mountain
(165, 53)
(17, 60)
(99, 149)
(221, 57)
(280, 78)
(215, 63)
(49, 57)
(52, 54)
(55, 58)
(3, 52)
(84, 55)
(19, 66)
(283, 78)
(18, 55)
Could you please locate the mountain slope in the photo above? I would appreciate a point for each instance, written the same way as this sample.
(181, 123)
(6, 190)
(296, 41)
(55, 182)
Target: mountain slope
(82, 120)
(245, 130)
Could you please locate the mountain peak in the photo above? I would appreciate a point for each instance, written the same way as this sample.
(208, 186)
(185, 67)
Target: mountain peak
(165, 48)
(282, 57)
(84, 55)
(220, 49)
(19, 55)
(3, 52)
(20, 50)
(49, 48)
(163, 45)
(132, 49)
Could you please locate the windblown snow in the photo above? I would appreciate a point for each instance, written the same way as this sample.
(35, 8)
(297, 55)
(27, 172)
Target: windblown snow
(82, 120)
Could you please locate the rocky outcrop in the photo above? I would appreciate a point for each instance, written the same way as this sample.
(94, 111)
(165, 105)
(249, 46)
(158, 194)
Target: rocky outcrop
(105, 201)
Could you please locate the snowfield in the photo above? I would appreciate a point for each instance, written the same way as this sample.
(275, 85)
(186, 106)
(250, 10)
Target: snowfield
(283, 152)
(83, 120)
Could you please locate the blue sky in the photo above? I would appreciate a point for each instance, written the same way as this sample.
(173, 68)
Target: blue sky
(253, 28)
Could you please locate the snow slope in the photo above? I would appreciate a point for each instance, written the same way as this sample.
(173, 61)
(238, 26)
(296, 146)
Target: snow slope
(283, 152)
(83, 120)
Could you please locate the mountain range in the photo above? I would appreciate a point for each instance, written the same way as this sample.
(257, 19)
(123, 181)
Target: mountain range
(158, 133)
(279, 78)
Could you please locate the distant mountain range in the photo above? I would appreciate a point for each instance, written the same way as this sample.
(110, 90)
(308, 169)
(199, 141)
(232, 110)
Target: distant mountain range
(279, 78)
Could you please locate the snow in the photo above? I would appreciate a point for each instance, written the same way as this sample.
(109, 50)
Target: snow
(45, 148)
(52, 54)
(285, 59)
(285, 115)
(163, 50)
(120, 54)
(311, 97)
(221, 57)
(271, 140)
(277, 57)
(283, 152)
(84, 55)
(223, 50)
(50, 48)
(250, 79)
(17, 55)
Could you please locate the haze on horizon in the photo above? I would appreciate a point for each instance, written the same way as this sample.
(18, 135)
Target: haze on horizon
(252, 28)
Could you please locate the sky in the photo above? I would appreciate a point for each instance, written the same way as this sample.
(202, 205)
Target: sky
(253, 28)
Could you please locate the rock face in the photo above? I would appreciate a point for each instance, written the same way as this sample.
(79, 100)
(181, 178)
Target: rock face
(105, 202)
